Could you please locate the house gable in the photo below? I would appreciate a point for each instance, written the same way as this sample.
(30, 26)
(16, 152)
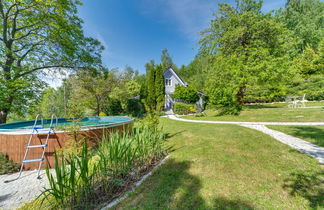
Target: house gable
(171, 79)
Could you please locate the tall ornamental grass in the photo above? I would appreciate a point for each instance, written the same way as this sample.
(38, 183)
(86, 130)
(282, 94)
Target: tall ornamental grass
(72, 181)
(82, 181)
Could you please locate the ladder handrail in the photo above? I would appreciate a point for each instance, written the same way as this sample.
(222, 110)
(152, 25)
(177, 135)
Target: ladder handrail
(29, 141)
(34, 129)
(36, 119)
(52, 119)
(50, 131)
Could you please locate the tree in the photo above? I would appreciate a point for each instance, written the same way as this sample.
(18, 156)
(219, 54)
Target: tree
(308, 62)
(244, 47)
(195, 72)
(305, 19)
(151, 96)
(166, 60)
(125, 89)
(155, 91)
(159, 86)
(38, 35)
(92, 89)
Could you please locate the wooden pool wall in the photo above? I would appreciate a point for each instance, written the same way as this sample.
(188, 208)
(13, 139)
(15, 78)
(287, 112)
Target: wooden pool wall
(14, 146)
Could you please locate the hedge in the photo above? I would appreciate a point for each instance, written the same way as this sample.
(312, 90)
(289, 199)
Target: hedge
(182, 108)
(186, 93)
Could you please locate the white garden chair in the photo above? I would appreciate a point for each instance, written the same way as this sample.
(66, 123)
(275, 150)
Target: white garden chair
(301, 102)
(291, 102)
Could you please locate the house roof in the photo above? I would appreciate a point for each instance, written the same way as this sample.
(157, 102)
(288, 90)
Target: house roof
(176, 76)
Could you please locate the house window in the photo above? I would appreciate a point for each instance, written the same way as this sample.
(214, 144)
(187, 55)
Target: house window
(168, 82)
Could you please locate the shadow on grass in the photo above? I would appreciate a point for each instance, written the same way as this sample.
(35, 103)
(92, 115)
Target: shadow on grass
(173, 187)
(314, 133)
(309, 185)
(168, 135)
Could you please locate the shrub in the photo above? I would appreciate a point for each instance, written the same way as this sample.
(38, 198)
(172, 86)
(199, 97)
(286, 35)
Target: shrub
(264, 94)
(113, 107)
(183, 108)
(313, 87)
(186, 93)
(7, 166)
(102, 114)
(135, 107)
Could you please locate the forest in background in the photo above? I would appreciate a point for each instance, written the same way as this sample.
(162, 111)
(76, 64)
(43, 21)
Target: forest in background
(245, 56)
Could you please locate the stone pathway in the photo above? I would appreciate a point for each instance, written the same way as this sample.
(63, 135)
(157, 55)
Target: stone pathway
(244, 123)
(26, 188)
(296, 143)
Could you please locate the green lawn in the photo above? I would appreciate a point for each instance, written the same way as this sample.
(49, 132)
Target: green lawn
(285, 105)
(228, 167)
(268, 113)
(313, 134)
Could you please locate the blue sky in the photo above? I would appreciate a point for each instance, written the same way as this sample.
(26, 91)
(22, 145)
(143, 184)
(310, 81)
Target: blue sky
(135, 31)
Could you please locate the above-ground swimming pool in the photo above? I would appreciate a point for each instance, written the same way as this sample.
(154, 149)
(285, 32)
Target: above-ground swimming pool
(86, 123)
(14, 136)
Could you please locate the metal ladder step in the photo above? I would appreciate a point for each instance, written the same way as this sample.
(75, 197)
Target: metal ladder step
(35, 131)
(35, 128)
(37, 146)
(33, 160)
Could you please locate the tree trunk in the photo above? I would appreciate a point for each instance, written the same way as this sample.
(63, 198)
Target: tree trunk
(240, 95)
(5, 110)
(3, 116)
(98, 105)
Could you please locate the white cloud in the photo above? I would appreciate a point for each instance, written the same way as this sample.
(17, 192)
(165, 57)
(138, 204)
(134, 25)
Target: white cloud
(189, 16)
(98, 36)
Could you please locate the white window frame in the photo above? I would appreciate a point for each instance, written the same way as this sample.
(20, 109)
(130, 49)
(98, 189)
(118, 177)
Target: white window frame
(168, 82)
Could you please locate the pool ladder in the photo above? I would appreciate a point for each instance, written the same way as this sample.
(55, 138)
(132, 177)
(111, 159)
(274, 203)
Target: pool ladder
(35, 130)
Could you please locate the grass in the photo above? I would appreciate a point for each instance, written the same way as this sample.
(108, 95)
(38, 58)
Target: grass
(285, 105)
(312, 134)
(228, 167)
(268, 113)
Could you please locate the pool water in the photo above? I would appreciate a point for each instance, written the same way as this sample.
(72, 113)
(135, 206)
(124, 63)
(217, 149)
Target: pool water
(65, 123)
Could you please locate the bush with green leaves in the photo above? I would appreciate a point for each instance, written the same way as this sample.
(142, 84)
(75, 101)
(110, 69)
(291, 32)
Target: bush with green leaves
(313, 87)
(183, 108)
(113, 107)
(264, 94)
(101, 175)
(186, 93)
(6, 165)
(135, 107)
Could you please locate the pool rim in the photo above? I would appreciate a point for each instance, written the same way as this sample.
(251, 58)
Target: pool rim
(46, 130)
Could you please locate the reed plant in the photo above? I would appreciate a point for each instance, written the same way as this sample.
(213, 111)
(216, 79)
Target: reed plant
(117, 154)
(72, 181)
(83, 180)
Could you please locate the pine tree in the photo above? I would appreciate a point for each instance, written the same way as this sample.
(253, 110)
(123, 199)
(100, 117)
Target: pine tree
(159, 87)
(151, 97)
(166, 60)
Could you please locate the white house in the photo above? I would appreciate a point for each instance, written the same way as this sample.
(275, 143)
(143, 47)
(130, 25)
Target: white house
(171, 79)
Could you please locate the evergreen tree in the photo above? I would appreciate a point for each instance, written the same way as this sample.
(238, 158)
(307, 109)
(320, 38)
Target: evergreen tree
(159, 87)
(166, 60)
(154, 92)
(151, 97)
